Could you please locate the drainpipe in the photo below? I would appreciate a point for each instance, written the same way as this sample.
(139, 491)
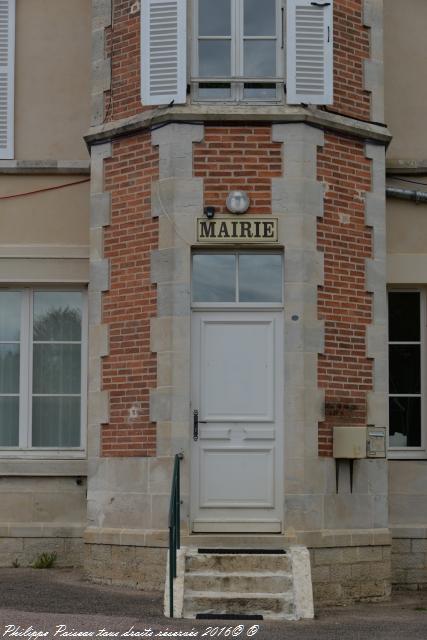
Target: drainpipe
(406, 194)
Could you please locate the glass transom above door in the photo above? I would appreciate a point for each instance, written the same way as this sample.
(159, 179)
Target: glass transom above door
(242, 278)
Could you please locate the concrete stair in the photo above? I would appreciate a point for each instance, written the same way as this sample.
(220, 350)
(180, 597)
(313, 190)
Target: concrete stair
(268, 582)
(243, 584)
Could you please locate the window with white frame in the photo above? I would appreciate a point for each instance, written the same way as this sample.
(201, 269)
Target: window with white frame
(238, 50)
(406, 371)
(42, 369)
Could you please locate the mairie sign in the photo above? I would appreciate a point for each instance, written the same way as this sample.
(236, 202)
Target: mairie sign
(247, 229)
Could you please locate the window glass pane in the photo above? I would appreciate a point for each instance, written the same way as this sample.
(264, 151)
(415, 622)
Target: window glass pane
(259, 17)
(259, 91)
(404, 368)
(9, 368)
(405, 422)
(214, 58)
(10, 315)
(56, 422)
(215, 17)
(57, 316)
(9, 421)
(260, 58)
(56, 368)
(214, 278)
(404, 316)
(260, 278)
(215, 91)
(10, 330)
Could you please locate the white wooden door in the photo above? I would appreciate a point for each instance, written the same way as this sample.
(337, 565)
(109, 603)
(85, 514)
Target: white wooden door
(237, 389)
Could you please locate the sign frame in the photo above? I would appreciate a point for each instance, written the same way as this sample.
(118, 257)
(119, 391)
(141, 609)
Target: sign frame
(247, 229)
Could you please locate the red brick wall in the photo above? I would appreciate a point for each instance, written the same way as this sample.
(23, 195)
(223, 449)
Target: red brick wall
(129, 372)
(351, 48)
(123, 45)
(344, 371)
(238, 158)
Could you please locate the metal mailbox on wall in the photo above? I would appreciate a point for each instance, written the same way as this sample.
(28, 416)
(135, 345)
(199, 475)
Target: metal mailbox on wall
(375, 442)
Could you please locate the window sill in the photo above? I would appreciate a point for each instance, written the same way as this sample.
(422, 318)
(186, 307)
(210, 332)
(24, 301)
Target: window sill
(20, 466)
(242, 102)
(406, 455)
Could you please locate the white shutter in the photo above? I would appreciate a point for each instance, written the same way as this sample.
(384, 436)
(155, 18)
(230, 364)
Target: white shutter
(309, 52)
(7, 77)
(163, 51)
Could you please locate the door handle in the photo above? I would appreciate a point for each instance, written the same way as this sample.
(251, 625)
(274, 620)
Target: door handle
(196, 424)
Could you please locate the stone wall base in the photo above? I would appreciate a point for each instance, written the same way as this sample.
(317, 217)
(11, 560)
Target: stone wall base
(409, 564)
(343, 575)
(23, 551)
(130, 566)
(340, 575)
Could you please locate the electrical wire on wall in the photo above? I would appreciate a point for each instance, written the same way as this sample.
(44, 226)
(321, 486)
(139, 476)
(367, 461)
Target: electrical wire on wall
(392, 177)
(30, 193)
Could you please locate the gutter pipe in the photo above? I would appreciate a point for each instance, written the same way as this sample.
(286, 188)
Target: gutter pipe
(406, 194)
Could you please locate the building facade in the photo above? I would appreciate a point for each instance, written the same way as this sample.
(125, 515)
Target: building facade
(406, 277)
(44, 257)
(256, 343)
(273, 344)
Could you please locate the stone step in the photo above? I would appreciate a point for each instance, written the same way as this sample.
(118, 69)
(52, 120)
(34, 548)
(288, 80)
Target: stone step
(270, 606)
(240, 541)
(217, 582)
(247, 582)
(235, 563)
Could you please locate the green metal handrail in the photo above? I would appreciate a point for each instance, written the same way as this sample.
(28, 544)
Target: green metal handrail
(174, 526)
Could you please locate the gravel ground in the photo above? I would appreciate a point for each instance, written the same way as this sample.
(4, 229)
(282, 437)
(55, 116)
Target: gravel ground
(44, 599)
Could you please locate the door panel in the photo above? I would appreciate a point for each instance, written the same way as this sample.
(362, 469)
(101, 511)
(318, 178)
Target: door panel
(221, 485)
(237, 370)
(237, 387)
